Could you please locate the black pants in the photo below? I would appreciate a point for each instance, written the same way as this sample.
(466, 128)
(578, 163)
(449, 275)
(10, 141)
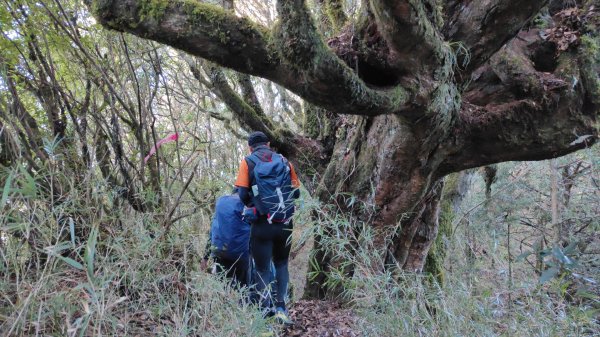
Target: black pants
(271, 241)
(235, 268)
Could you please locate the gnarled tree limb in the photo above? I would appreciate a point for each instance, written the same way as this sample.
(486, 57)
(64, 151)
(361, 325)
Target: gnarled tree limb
(410, 33)
(485, 26)
(249, 48)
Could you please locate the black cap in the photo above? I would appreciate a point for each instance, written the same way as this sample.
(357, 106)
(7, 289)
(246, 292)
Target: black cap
(257, 138)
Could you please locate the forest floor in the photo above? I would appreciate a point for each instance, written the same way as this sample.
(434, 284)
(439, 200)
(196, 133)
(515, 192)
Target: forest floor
(321, 319)
(314, 318)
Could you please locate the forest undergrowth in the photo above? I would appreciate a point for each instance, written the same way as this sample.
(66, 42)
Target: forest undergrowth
(119, 273)
(114, 149)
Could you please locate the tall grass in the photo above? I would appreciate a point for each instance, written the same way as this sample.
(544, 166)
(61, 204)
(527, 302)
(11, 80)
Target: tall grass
(121, 278)
(86, 265)
(487, 290)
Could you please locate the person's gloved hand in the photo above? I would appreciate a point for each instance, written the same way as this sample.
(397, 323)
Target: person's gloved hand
(249, 215)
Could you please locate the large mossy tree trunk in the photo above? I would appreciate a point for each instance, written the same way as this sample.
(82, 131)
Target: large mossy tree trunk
(411, 91)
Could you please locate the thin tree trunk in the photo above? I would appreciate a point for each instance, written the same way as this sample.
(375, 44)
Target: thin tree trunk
(556, 225)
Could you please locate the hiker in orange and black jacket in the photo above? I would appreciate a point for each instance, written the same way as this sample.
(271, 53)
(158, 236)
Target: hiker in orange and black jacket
(268, 239)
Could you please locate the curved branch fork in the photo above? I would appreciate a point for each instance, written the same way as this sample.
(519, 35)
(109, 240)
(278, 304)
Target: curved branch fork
(219, 36)
(484, 26)
(411, 29)
(514, 112)
(526, 113)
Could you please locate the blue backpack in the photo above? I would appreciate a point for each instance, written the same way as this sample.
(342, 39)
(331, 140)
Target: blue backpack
(272, 191)
(229, 233)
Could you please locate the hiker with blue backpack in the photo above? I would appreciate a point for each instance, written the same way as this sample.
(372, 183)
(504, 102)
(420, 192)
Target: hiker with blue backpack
(229, 239)
(268, 186)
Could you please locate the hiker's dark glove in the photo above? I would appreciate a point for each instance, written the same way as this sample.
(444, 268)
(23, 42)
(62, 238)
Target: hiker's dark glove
(249, 214)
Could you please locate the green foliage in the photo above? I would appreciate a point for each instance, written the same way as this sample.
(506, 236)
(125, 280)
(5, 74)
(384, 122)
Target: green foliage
(472, 300)
(152, 9)
(77, 259)
(542, 20)
(334, 9)
(436, 258)
(90, 251)
(93, 276)
(590, 53)
(6, 190)
(74, 254)
(312, 121)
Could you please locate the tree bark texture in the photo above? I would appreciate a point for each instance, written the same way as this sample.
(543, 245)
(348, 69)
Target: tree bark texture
(456, 186)
(412, 91)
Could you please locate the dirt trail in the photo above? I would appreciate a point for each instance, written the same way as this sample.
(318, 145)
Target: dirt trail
(321, 319)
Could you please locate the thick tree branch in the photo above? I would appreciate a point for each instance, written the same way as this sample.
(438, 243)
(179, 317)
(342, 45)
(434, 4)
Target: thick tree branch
(200, 29)
(249, 94)
(302, 46)
(410, 33)
(250, 119)
(522, 130)
(303, 151)
(532, 102)
(307, 68)
(485, 26)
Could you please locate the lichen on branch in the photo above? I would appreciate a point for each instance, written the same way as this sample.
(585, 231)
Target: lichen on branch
(303, 47)
(293, 55)
(200, 29)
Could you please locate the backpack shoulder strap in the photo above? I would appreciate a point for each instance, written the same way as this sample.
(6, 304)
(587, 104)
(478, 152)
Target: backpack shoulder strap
(284, 159)
(251, 163)
(285, 162)
(254, 158)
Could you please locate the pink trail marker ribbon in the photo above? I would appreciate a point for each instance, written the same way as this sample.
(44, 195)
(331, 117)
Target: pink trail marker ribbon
(169, 138)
